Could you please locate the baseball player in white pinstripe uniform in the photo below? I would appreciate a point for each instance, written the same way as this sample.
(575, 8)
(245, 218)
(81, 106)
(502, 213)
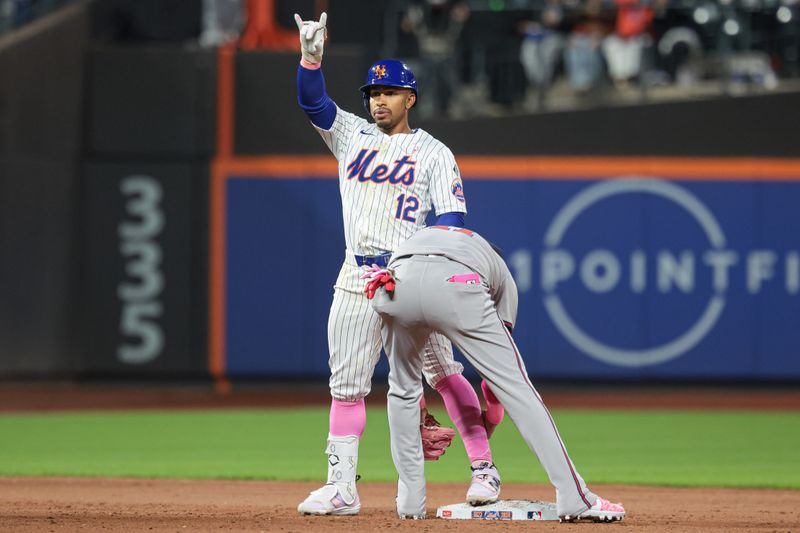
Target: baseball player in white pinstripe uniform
(390, 178)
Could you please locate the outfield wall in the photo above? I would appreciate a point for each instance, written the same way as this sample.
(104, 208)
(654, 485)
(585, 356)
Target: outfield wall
(627, 268)
(41, 111)
(169, 212)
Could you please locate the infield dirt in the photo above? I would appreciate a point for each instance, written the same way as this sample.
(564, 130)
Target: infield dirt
(88, 504)
(79, 504)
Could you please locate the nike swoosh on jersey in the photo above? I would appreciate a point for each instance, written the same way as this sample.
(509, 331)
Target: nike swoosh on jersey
(362, 132)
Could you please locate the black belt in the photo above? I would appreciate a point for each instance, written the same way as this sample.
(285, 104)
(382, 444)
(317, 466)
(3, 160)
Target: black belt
(369, 260)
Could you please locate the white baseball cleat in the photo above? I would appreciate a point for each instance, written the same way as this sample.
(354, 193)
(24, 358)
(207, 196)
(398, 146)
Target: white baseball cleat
(485, 486)
(602, 511)
(328, 501)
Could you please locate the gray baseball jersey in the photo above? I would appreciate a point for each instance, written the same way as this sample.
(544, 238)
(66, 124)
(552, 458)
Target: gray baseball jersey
(430, 297)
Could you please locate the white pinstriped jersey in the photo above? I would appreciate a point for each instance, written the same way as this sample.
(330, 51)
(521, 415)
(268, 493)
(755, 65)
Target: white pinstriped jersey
(389, 183)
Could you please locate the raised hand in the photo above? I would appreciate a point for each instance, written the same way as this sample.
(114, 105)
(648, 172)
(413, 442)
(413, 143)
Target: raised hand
(312, 37)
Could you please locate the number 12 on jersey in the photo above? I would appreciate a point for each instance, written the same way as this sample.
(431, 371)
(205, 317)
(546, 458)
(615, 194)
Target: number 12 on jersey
(406, 207)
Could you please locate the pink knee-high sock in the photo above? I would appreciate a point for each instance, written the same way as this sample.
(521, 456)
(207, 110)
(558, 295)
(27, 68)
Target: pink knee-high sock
(494, 409)
(348, 418)
(464, 409)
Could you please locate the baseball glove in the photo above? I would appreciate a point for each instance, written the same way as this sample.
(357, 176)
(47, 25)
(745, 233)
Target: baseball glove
(435, 438)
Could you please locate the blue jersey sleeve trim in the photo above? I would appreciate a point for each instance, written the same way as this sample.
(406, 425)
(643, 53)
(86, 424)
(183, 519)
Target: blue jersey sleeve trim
(313, 99)
(454, 218)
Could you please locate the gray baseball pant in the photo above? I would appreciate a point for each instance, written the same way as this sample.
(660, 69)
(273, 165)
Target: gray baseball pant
(423, 302)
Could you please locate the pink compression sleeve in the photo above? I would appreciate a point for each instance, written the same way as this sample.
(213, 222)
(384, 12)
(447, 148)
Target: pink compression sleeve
(348, 418)
(464, 409)
(494, 409)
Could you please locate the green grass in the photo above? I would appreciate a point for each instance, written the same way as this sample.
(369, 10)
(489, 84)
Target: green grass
(704, 448)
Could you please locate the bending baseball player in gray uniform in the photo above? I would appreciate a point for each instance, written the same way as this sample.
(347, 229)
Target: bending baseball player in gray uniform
(450, 280)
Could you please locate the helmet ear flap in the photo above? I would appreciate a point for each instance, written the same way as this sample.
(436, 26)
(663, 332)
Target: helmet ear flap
(365, 101)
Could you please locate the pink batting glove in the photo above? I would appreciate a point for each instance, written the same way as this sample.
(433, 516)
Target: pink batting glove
(377, 277)
(371, 272)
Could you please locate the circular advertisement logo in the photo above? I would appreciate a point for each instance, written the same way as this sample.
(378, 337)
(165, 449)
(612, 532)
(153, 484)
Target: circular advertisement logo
(623, 356)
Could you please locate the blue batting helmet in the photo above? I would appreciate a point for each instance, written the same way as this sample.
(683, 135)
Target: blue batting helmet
(389, 73)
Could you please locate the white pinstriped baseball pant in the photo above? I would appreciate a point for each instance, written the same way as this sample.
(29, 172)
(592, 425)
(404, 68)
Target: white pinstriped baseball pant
(354, 341)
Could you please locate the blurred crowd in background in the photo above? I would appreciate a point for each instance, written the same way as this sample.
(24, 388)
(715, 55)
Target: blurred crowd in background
(482, 57)
(545, 54)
